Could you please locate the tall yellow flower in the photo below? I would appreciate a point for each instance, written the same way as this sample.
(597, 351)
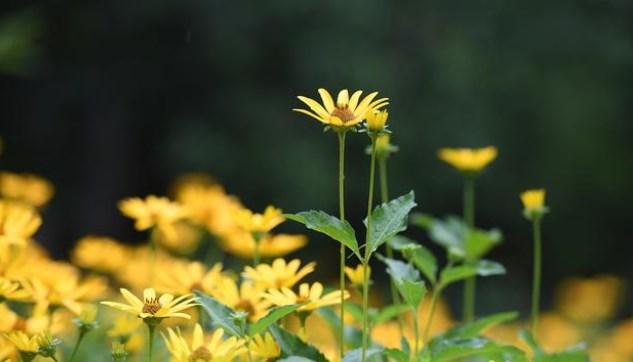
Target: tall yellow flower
(256, 223)
(153, 211)
(346, 112)
(279, 274)
(152, 306)
(246, 298)
(215, 349)
(376, 120)
(533, 203)
(265, 347)
(30, 189)
(468, 159)
(18, 223)
(357, 275)
(312, 296)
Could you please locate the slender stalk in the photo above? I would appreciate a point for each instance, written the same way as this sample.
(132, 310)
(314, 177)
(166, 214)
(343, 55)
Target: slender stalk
(82, 333)
(468, 311)
(536, 279)
(341, 205)
(256, 252)
(384, 196)
(54, 358)
(370, 201)
(151, 327)
(427, 328)
(416, 330)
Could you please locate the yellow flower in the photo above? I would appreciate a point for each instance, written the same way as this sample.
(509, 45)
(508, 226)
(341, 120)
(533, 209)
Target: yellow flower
(153, 211)
(153, 307)
(23, 342)
(247, 298)
(65, 289)
(468, 159)
(347, 111)
(533, 202)
(590, 300)
(312, 296)
(90, 250)
(242, 244)
(383, 145)
(279, 274)
(124, 325)
(11, 290)
(184, 277)
(215, 349)
(356, 276)
(184, 241)
(376, 120)
(265, 347)
(30, 189)
(18, 223)
(255, 223)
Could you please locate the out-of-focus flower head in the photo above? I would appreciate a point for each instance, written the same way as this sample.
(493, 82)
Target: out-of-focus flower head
(533, 203)
(468, 160)
(357, 275)
(376, 120)
(18, 223)
(214, 349)
(311, 296)
(590, 300)
(183, 277)
(265, 347)
(242, 244)
(259, 224)
(100, 253)
(279, 274)
(245, 298)
(154, 211)
(30, 189)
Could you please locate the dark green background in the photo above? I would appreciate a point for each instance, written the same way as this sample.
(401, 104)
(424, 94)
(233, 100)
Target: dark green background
(116, 98)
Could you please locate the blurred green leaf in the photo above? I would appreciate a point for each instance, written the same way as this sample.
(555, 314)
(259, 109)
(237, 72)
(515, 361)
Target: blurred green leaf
(221, 315)
(451, 349)
(389, 219)
(273, 316)
(475, 328)
(482, 268)
(329, 225)
(390, 312)
(291, 345)
(407, 281)
(372, 354)
(423, 259)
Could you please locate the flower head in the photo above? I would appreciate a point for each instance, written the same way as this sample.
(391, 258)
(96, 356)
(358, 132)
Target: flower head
(153, 211)
(246, 298)
(376, 120)
(242, 244)
(468, 159)
(311, 295)
(256, 223)
(27, 188)
(18, 223)
(533, 203)
(346, 112)
(24, 342)
(279, 274)
(265, 347)
(11, 290)
(181, 277)
(214, 349)
(357, 275)
(90, 250)
(124, 325)
(154, 307)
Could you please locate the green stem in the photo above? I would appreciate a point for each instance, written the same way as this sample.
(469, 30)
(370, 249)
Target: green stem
(416, 330)
(370, 201)
(341, 205)
(536, 279)
(80, 338)
(54, 358)
(468, 311)
(256, 252)
(151, 327)
(429, 321)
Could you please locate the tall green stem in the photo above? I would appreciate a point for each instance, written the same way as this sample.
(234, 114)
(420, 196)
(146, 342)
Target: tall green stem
(384, 195)
(469, 216)
(370, 201)
(151, 327)
(536, 278)
(341, 206)
(429, 321)
(416, 331)
(82, 333)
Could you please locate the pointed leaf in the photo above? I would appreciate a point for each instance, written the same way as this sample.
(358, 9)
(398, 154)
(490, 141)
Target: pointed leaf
(221, 315)
(390, 312)
(423, 259)
(407, 281)
(291, 345)
(273, 316)
(329, 225)
(451, 349)
(465, 271)
(389, 219)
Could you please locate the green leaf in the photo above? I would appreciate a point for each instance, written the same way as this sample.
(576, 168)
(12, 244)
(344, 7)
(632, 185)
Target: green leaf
(465, 271)
(407, 281)
(292, 345)
(450, 349)
(412, 292)
(389, 219)
(295, 359)
(273, 316)
(476, 327)
(220, 314)
(478, 242)
(396, 355)
(372, 354)
(329, 225)
(423, 259)
(390, 312)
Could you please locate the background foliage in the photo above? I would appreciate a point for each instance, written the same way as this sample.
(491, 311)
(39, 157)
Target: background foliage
(116, 98)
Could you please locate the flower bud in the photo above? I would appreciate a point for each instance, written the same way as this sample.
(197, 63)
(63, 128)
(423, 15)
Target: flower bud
(376, 120)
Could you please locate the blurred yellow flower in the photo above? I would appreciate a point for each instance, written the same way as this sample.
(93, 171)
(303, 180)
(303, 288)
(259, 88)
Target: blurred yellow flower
(556, 333)
(242, 244)
(279, 274)
(590, 300)
(30, 189)
(265, 347)
(182, 277)
(311, 295)
(533, 202)
(153, 211)
(255, 223)
(124, 325)
(376, 120)
(184, 241)
(357, 275)
(64, 290)
(23, 342)
(346, 112)
(468, 159)
(11, 290)
(246, 298)
(215, 349)
(152, 306)
(18, 223)
(90, 251)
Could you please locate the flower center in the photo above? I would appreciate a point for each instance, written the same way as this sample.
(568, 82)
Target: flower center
(245, 306)
(201, 354)
(344, 114)
(151, 306)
